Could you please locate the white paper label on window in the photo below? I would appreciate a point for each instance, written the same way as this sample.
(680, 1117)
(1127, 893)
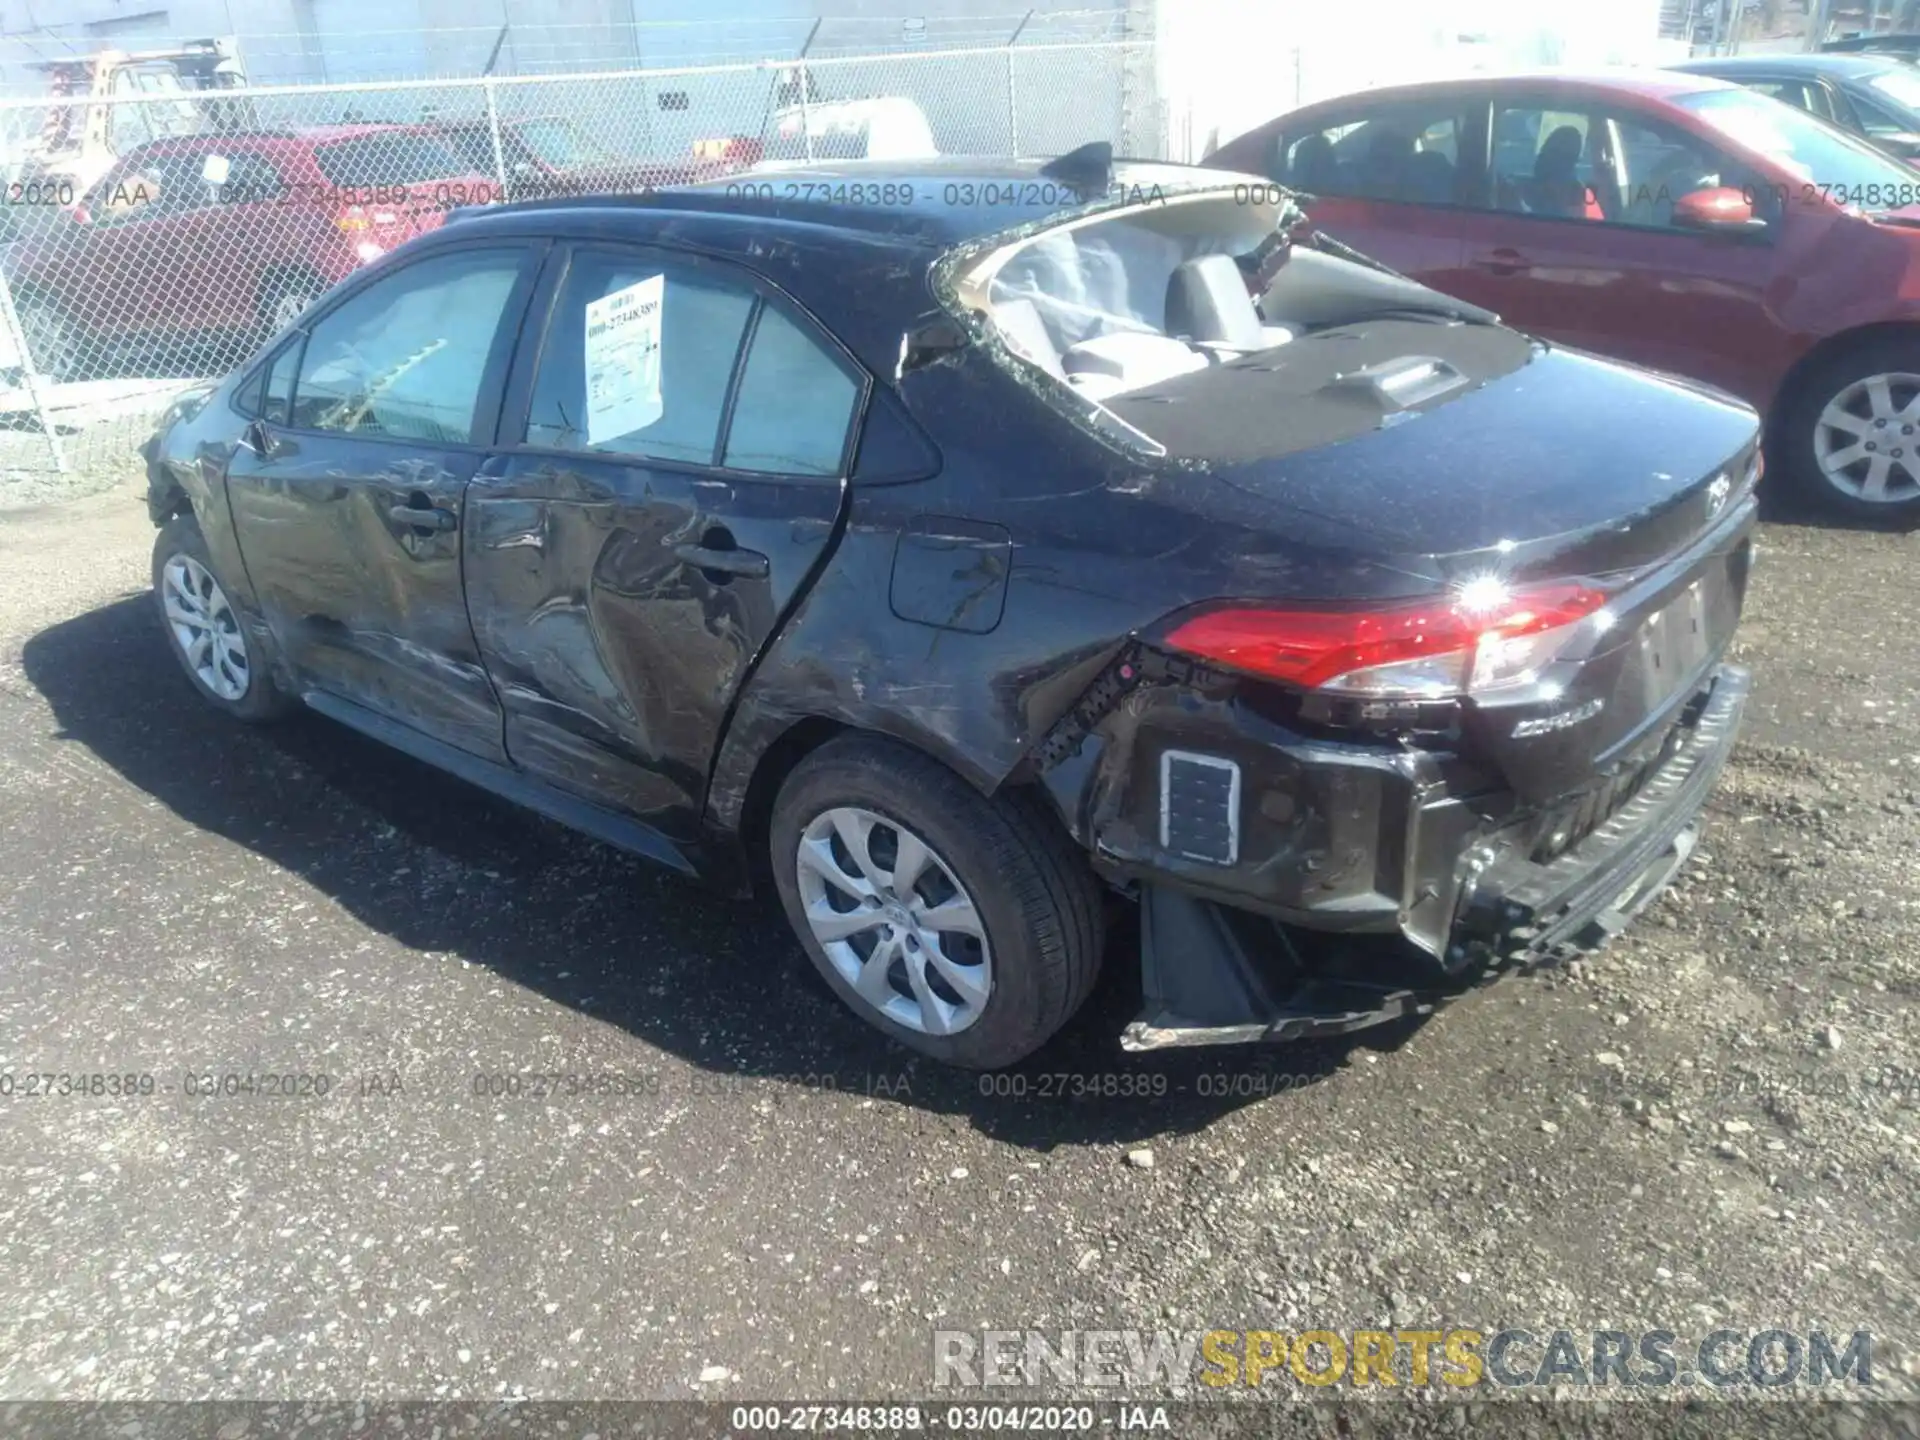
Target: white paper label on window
(623, 360)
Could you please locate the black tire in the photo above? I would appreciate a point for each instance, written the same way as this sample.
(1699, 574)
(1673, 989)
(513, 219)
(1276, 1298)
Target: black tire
(1038, 901)
(54, 343)
(260, 700)
(1798, 431)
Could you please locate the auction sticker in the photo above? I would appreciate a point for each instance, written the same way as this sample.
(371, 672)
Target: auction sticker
(623, 360)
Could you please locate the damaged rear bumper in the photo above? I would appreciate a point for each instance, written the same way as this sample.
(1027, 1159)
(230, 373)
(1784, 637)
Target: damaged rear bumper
(1220, 974)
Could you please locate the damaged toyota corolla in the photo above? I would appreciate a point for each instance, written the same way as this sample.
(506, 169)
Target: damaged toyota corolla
(968, 550)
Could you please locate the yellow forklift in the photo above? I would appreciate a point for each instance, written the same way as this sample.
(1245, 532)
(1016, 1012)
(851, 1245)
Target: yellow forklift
(180, 91)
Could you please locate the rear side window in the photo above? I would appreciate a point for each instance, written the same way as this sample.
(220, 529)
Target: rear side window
(405, 357)
(1406, 153)
(638, 359)
(472, 145)
(1800, 94)
(1545, 162)
(795, 405)
(251, 180)
(386, 159)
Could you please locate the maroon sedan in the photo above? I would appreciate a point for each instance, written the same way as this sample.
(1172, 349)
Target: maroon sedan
(1676, 221)
(208, 242)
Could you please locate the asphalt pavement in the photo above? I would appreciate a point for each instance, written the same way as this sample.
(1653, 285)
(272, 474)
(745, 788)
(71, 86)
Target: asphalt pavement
(543, 1122)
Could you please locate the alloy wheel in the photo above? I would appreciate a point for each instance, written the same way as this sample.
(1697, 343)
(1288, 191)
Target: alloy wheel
(1867, 439)
(893, 921)
(205, 628)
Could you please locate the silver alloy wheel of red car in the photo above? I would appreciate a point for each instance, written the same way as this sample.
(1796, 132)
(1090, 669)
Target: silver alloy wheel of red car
(205, 628)
(894, 921)
(1867, 439)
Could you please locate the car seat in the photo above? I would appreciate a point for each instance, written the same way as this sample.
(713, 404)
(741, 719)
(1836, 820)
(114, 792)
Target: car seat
(1383, 174)
(1315, 168)
(1556, 188)
(1430, 177)
(1208, 304)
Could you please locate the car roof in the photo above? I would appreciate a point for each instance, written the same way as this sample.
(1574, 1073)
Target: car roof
(861, 265)
(1843, 65)
(300, 137)
(937, 202)
(1650, 84)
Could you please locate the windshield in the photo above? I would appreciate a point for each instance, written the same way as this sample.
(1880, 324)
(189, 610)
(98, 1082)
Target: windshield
(388, 158)
(555, 143)
(1902, 88)
(1114, 276)
(1815, 153)
(1111, 304)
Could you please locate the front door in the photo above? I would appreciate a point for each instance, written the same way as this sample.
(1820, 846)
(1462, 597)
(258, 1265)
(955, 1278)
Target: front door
(676, 484)
(1578, 244)
(349, 498)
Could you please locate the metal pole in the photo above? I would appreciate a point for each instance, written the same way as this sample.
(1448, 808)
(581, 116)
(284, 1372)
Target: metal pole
(493, 129)
(1013, 92)
(1817, 22)
(806, 87)
(30, 375)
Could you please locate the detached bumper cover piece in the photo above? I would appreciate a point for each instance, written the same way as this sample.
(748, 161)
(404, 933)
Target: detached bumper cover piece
(1215, 975)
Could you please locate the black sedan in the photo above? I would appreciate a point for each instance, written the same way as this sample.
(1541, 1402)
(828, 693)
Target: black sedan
(962, 550)
(1874, 96)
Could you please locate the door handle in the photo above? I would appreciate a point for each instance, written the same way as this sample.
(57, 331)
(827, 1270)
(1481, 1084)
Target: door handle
(255, 437)
(1502, 262)
(748, 563)
(423, 517)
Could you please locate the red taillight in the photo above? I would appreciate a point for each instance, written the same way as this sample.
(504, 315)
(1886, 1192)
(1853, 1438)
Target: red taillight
(1485, 637)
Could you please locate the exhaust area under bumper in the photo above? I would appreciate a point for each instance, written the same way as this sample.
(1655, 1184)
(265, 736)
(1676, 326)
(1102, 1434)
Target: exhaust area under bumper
(1215, 975)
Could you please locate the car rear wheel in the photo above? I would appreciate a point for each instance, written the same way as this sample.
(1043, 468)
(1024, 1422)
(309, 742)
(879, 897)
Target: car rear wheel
(1854, 432)
(204, 631)
(965, 928)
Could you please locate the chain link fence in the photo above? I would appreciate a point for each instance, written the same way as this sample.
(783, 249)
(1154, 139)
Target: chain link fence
(153, 241)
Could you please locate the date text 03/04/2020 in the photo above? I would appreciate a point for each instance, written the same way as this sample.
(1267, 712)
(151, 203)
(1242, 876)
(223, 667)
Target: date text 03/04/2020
(970, 1419)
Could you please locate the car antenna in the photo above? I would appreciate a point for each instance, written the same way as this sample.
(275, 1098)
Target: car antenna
(1088, 168)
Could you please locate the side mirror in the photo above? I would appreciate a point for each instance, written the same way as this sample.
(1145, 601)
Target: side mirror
(215, 169)
(1723, 209)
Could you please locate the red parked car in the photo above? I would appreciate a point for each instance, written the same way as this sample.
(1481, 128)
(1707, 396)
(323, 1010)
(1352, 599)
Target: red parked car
(545, 157)
(1676, 221)
(211, 242)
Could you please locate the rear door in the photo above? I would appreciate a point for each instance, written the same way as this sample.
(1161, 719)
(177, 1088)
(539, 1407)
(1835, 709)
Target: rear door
(1577, 243)
(139, 264)
(1393, 181)
(348, 497)
(1801, 92)
(673, 484)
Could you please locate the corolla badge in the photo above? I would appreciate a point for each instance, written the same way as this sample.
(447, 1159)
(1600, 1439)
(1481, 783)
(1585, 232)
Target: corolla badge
(1565, 720)
(1717, 493)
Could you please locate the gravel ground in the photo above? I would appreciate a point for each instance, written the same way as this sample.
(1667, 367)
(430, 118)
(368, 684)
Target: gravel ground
(1714, 1124)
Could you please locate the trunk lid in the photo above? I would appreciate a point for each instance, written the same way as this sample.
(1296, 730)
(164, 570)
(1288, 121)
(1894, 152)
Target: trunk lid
(1543, 457)
(1437, 454)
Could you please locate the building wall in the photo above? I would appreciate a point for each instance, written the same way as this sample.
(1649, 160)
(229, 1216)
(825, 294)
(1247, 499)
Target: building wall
(287, 41)
(974, 102)
(1227, 65)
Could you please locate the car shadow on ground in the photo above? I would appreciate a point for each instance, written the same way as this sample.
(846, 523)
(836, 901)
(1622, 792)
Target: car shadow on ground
(537, 904)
